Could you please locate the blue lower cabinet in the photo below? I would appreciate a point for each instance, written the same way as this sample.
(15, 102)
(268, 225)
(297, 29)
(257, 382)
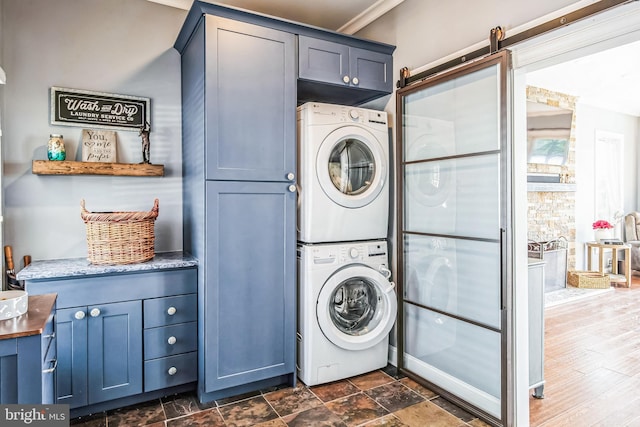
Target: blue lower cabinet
(248, 318)
(100, 353)
(120, 335)
(28, 363)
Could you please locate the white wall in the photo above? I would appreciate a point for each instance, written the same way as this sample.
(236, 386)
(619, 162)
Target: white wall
(115, 46)
(588, 120)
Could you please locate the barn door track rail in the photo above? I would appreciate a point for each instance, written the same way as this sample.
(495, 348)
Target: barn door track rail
(497, 41)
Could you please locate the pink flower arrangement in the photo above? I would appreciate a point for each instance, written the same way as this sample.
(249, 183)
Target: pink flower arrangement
(601, 223)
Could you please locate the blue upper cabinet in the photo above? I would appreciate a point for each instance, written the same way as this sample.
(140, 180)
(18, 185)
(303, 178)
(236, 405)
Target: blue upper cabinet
(342, 65)
(251, 97)
(332, 67)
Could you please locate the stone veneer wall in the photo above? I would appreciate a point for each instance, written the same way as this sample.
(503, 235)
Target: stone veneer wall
(551, 214)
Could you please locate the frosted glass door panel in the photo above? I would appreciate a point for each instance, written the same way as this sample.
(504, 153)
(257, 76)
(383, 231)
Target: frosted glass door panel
(455, 355)
(459, 277)
(453, 232)
(450, 116)
(454, 197)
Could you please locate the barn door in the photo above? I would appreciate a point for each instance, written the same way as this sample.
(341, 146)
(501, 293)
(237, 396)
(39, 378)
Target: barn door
(453, 233)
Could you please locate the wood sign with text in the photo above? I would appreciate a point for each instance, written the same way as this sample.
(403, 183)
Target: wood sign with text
(98, 145)
(73, 107)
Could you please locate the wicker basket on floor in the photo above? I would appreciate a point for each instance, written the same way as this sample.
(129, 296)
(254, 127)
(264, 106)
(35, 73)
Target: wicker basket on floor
(588, 279)
(120, 237)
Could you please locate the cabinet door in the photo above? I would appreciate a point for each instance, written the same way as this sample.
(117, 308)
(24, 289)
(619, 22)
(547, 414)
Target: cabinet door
(8, 372)
(370, 70)
(115, 350)
(71, 372)
(323, 61)
(249, 322)
(250, 92)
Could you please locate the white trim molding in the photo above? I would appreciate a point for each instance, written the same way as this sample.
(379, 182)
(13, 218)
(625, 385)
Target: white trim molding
(368, 15)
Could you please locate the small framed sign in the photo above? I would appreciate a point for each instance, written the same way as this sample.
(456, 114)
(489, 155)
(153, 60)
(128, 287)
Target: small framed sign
(98, 145)
(73, 107)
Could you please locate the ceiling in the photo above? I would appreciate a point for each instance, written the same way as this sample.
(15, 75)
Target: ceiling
(609, 80)
(345, 16)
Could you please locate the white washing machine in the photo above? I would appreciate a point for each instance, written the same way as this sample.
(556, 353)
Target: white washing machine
(347, 306)
(431, 281)
(343, 173)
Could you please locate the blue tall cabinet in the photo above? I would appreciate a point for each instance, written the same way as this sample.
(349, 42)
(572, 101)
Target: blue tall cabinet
(239, 101)
(243, 75)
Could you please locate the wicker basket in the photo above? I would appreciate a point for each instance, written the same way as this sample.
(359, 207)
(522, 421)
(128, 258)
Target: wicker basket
(120, 237)
(588, 279)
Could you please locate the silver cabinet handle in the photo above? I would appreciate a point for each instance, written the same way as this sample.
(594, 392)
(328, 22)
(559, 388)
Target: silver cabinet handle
(171, 340)
(172, 370)
(95, 312)
(291, 176)
(79, 315)
(171, 311)
(355, 81)
(345, 79)
(292, 188)
(53, 335)
(52, 369)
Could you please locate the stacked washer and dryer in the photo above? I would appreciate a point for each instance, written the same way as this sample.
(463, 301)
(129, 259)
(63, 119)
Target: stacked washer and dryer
(346, 302)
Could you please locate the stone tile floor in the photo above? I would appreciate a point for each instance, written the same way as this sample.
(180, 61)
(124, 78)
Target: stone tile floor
(379, 398)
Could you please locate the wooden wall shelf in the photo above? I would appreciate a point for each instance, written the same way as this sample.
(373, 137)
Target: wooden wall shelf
(47, 167)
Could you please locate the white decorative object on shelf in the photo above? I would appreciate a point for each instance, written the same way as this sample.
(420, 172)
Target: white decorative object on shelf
(13, 304)
(601, 234)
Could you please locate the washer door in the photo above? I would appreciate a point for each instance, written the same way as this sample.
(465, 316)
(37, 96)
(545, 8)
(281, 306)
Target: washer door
(351, 167)
(356, 308)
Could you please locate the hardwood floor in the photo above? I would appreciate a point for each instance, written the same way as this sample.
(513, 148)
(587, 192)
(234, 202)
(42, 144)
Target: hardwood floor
(592, 362)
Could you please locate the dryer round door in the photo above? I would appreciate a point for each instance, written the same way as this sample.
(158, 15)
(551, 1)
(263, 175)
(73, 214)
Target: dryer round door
(351, 166)
(356, 307)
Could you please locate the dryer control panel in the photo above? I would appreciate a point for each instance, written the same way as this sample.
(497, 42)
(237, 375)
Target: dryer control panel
(316, 113)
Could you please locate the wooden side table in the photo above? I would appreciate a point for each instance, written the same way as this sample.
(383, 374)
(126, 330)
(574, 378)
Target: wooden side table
(614, 258)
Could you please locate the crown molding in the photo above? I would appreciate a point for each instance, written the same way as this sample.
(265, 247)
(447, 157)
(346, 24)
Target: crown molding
(178, 4)
(368, 15)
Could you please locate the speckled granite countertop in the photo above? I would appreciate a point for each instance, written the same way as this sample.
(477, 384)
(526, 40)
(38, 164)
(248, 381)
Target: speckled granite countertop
(59, 268)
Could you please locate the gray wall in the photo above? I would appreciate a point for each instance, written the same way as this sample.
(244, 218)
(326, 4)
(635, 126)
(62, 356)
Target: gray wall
(115, 46)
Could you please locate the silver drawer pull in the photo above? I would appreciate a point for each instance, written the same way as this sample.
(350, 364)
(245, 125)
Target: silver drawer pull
(172, 370)
(171, 311)
(79, 315)
(171, 340)
(95, 312)
(50, 336)
(52, 369)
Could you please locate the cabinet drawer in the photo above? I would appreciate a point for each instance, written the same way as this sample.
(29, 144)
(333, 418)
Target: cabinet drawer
(157, 372)
(170, 310)
(170, 340)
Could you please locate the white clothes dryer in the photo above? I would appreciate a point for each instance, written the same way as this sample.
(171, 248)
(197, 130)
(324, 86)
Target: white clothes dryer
(343, 173)
(347, 307)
